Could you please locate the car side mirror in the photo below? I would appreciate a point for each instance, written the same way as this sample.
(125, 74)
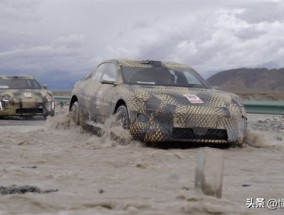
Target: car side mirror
(45, 86)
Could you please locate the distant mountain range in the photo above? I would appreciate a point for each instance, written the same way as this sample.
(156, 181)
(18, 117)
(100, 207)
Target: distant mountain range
(243, 80)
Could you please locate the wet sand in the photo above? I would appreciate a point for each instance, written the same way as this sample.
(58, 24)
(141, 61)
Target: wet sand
(100, 175)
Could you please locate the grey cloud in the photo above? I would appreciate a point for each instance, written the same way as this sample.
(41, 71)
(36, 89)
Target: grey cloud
(222, 40)
(74, 36)
(72, 40)
(247, 33)
(263, 11)
(18, 10)
(39, 51)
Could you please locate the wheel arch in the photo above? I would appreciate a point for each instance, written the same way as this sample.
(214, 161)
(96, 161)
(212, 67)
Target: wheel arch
(72, 101)
(118, 104)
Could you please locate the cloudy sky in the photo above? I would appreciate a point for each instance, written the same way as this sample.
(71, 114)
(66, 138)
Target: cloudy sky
(60, 41)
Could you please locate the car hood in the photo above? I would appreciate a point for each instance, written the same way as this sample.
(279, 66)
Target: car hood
(154, 95)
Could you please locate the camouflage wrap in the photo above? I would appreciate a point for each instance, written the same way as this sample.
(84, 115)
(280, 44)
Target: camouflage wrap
(25, 102)
(165, 113)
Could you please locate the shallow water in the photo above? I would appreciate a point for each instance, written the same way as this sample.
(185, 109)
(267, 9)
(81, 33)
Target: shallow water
(113, 174)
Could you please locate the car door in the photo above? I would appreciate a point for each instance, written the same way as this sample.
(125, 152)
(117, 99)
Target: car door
(90, 93)
(105, 100)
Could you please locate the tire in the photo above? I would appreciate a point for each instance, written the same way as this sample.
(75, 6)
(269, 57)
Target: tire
(52, 113)
(122, 116)
(75, 112)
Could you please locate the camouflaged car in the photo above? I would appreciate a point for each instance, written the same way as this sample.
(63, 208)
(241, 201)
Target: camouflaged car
(159, 102)
(24, 96)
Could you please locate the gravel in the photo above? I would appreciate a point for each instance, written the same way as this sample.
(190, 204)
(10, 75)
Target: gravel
(275, 123)
(14, 189)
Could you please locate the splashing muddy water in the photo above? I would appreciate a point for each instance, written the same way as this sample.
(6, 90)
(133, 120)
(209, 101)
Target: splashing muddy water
(114, 174)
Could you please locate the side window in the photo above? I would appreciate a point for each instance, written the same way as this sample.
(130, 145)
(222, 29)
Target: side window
(191, 79)
(98, 73)
(109, 72)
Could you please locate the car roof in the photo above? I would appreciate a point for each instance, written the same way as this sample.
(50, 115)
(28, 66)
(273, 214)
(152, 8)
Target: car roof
(148, 63)
(15, 77)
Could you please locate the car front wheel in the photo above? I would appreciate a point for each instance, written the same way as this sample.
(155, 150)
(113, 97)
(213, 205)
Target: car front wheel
(75, 112)
(122, 116)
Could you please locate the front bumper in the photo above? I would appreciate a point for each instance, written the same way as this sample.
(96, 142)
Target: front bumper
(27, 108)
(199, 127)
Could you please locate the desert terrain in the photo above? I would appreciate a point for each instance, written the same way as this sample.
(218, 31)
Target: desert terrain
(73, 172)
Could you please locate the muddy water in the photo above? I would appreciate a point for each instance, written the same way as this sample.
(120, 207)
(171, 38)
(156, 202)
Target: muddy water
(116, 175)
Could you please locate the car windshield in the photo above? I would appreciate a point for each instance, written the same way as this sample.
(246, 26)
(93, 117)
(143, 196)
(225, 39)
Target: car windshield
(19, 84)
(163, 77)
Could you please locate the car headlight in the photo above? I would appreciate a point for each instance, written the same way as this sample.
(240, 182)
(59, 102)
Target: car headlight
(6, 98)
(237, 101)
(152, 104)
(142, 118)
(49, 102)
(48, 98)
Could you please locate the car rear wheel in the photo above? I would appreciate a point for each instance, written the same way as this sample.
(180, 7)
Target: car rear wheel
(122, 116)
